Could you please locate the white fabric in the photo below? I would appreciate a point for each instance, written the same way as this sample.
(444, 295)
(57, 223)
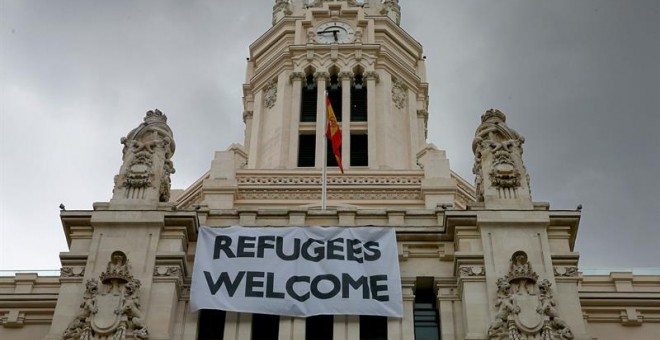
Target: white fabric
(297, 271)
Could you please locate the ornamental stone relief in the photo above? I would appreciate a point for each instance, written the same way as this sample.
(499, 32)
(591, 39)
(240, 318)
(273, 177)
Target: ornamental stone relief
(270, 94)
(399, 94)
(472, 271)
(110, 307)
(570, 271)
(526, 308)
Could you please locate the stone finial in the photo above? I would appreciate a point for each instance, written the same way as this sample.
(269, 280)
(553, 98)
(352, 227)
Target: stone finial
(392, 9)
(144, 177)
(281, 8)
(501, 178)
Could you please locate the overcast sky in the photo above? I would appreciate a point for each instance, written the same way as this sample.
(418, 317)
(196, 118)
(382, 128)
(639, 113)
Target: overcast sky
(580, 80)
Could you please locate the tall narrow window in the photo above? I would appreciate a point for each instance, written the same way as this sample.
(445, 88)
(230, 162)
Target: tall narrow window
(359, 150)
(306, 150)
(308, 101)
(211, 324)
(319, 327)
(359, 100)
(265, 327)
(373, 327)
(334, 93)
(427, 323)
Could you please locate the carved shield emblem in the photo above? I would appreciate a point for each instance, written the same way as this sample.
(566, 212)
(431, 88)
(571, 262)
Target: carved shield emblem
(108, 317)
(528, 319)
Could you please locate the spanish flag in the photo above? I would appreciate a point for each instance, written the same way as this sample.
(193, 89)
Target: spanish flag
(333, 132)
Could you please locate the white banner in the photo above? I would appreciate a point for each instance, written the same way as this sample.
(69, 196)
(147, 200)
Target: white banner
(298, 271)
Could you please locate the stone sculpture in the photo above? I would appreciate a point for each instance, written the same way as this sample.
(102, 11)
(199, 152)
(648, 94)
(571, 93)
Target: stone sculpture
(145, 173)
(525, 307)
(109, 311)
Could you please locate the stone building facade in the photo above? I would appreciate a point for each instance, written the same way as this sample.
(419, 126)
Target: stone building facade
(480, 261)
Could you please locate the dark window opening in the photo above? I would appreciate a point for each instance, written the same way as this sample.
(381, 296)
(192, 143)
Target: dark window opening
(265, 327)
(319, 327)
(358, 100)
(306, 150)
(211, 324)
(425, 312)
(359, 150)
(308, 101)
(373, 327)
(334, 93)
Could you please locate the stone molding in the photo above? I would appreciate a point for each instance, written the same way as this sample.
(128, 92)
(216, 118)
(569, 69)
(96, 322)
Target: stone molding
(333, 194)
(336, 180)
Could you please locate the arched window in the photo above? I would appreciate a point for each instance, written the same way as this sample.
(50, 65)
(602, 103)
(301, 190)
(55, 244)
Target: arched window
(334, 93)
(359, 100)
(308, 101)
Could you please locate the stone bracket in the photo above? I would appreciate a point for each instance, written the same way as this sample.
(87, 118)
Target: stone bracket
(13, 319)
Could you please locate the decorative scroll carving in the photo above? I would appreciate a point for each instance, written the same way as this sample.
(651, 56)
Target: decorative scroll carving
(565, 271)
(472, 271)
(392, 9)
(270, 94)
(145, 173)
(497, 155)
(72, 272)
(399, 93)
(167, 271)
(525, 306)
(110, 308)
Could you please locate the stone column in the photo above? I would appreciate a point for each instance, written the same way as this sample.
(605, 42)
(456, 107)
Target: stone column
(238, 326)
(296, 94)
(321, 79)
(292, 328)
(346, 117)
(404, 328)
(372, 120)
(346, 327)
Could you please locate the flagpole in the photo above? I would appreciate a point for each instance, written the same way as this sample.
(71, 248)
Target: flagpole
(324, 175)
